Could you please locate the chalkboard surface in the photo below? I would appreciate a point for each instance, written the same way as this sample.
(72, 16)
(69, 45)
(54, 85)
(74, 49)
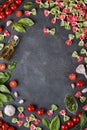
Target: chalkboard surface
(43, 64)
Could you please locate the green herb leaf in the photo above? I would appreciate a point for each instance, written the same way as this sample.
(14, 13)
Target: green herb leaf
(46, 123)
(6, 97)
(1, 104)
(26, 124)
(12, 65)
(25, 22)
(28, 5)
(83, 120)
(55, 123)
(54, 107)
(4, 89)
(1, 37)
(4, 76)
(14, 120)
(18, 27)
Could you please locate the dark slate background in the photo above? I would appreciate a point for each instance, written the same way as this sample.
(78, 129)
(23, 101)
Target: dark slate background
(43, 64)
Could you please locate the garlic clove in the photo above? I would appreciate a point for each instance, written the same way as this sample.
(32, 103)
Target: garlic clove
(9, 22)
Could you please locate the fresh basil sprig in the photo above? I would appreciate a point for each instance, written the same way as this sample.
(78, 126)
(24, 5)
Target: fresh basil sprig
(28, 5)
(54, 124)
(22, 24)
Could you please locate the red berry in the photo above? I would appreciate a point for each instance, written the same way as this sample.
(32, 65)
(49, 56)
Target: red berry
(76, 119)
(64, 127)
(18, 2)
(1, 122)
(72, 76)
(31, 108)
(79, 84)
(1, 29)
(11, 128)
(13, 84)
(70, 123)
(13, 6)
(5, 4)
(40, 111)
(2, 15)
(5, 126)
(8, 11)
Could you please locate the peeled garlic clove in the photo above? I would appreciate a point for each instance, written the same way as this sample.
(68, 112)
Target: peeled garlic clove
(16, 94)
(80, 69)
(9, 22)
(21, 101)
(9, 110)
(84, 90)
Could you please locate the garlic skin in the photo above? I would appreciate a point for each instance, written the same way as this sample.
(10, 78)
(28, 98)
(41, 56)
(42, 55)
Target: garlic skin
(9, 22)
(9, 110)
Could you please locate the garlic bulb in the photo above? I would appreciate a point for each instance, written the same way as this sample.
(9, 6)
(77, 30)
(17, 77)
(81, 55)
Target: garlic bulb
(9, 110)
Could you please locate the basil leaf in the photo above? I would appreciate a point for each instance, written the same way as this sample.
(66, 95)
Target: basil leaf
(4, 89)
(12, 65)
(1, 104)
(28, 5)
(6, 97)
(55, 123)
(18, 27)
(83, 120)
(46, 123)
(4, 77)
(26, 22)
(1, 37)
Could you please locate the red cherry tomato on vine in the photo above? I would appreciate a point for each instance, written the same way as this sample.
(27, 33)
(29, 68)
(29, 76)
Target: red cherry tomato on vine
(13, 6)
(70, 124)
(64, 127)
(5, 126)
(2, 15)
(13, 84)
(1, 122)
(31, 108)
(72, 76)
(79, 84)
(40, 111)
(1, 8)
(5, 4)
(8, 11)
(76, 119)
(79, 114)
(11, 128)
(18, 2)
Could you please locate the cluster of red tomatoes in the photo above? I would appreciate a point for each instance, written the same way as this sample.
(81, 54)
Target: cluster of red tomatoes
(5, 126)
(72, 122)
(7, 7)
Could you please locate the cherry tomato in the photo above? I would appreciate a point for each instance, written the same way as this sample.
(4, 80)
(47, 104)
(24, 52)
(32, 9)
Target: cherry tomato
(79, 84)
(1, 29)
(1, 8)
(70, 124)
(13, 6)
(31, 108)
(8, 11)
(5, 126)
(1, 122)
(79, 114)
(2, 66)
(76, 119)
(64, 127)
(2, 15)
(1, 128)
(40, 111)
(5, 4)
(18, 2)
(72, 76)
(19, 13)
(10, 1)
(11, 128)
(13, 84)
